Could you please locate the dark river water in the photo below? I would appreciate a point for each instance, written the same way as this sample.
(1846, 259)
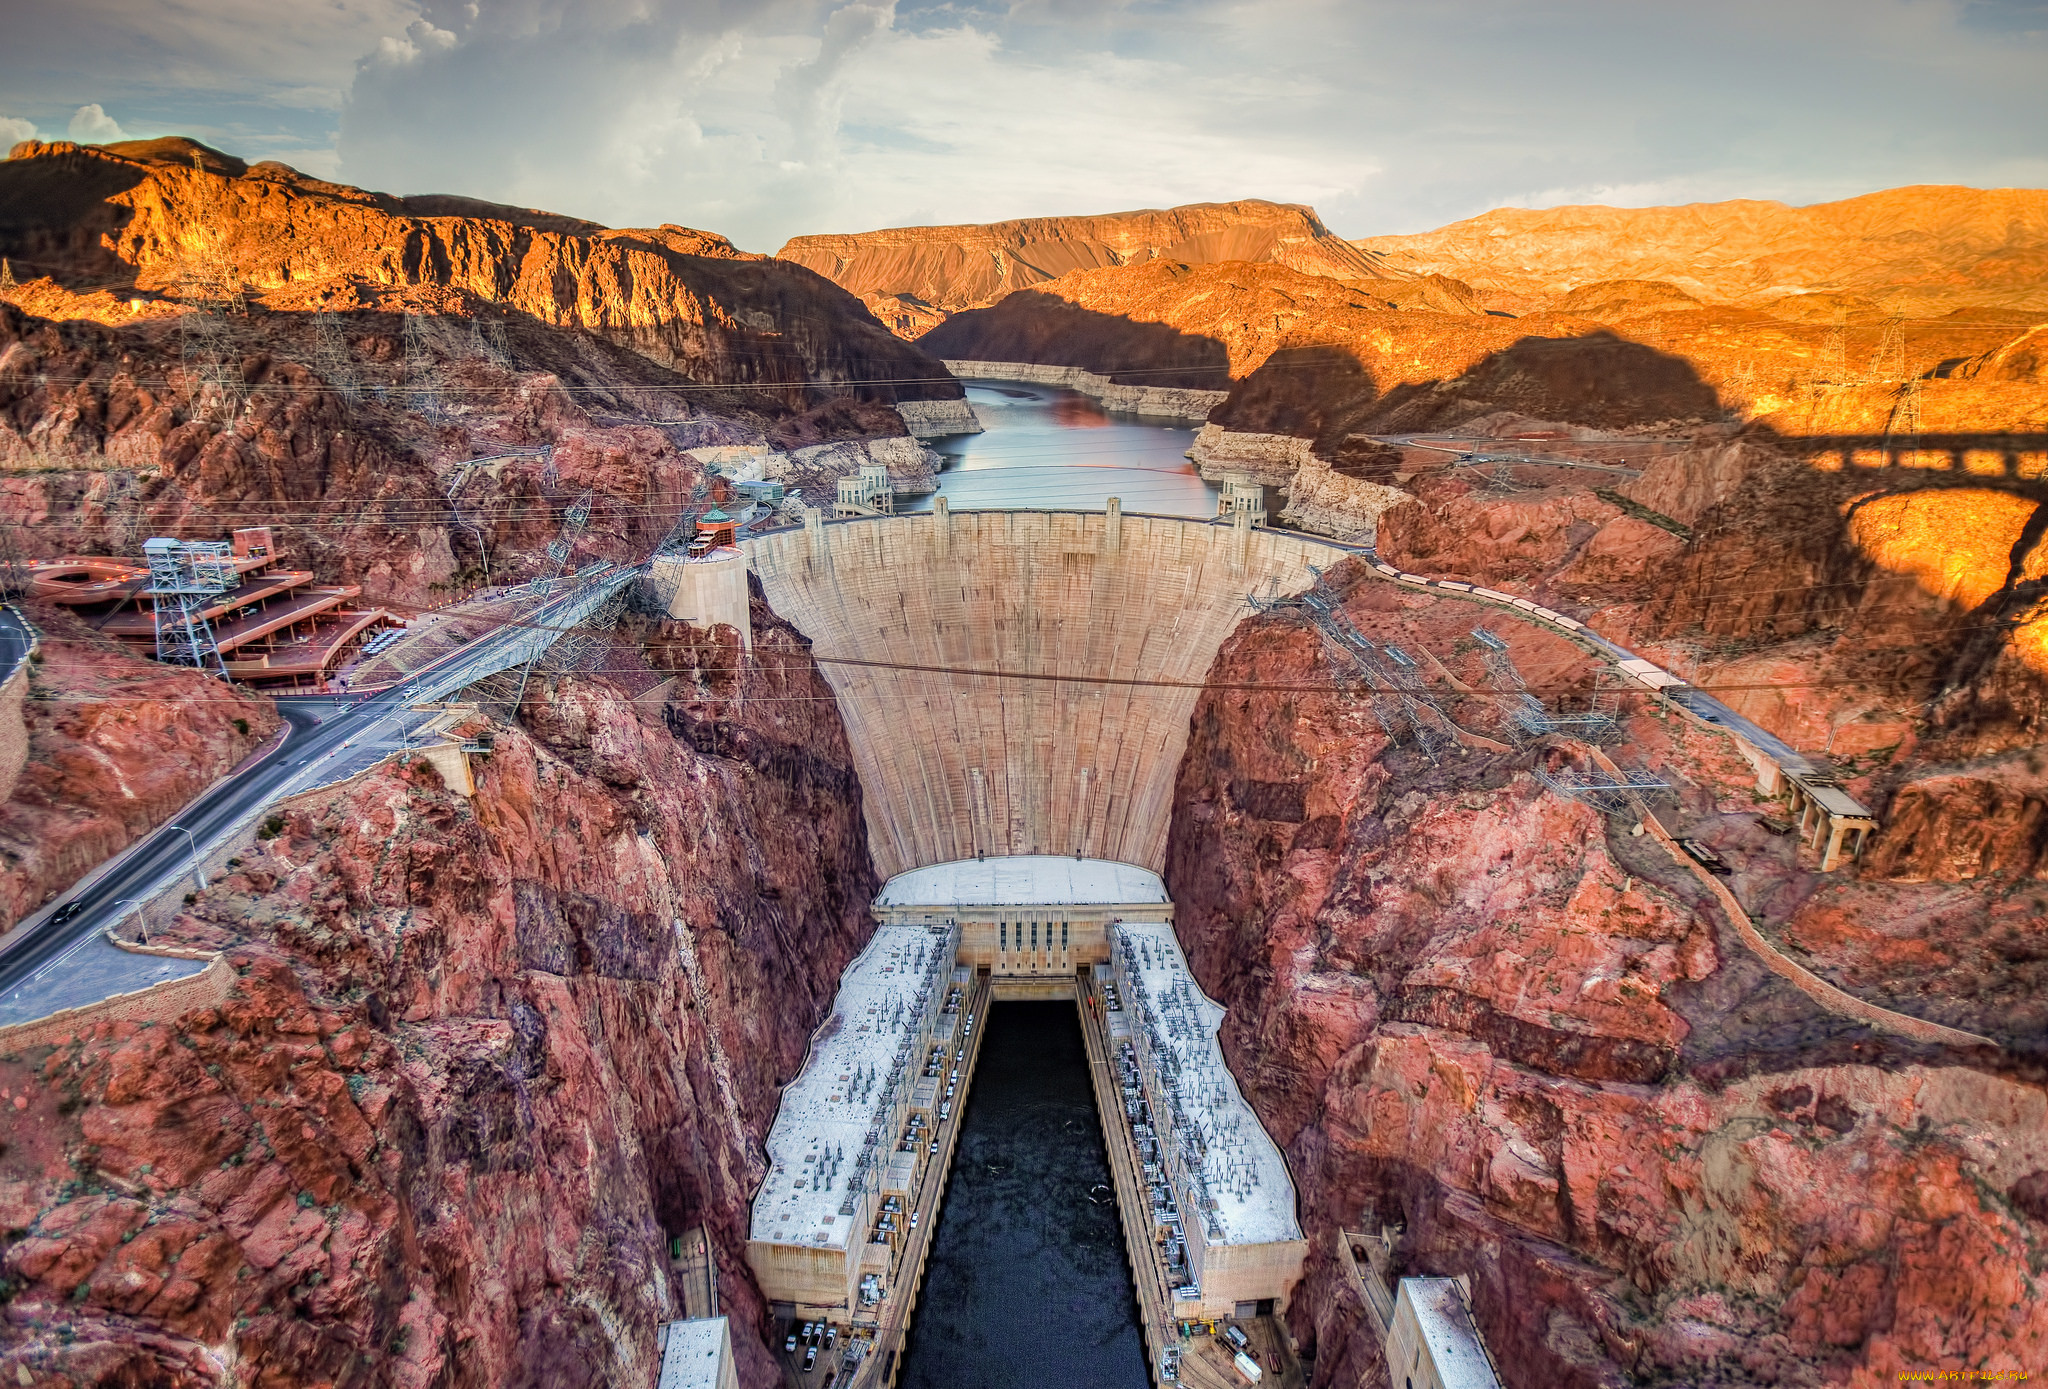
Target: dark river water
(1046, 446)
(1026, 1286)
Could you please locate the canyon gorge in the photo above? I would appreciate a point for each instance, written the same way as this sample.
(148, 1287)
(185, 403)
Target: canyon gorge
(496, 1028)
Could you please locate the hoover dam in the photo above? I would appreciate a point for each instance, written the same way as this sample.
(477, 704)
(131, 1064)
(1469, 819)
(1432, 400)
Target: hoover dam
(1020, 682)
(1146, 798)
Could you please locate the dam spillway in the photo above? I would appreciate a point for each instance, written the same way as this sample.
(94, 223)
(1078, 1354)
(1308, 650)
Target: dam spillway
(959, 765)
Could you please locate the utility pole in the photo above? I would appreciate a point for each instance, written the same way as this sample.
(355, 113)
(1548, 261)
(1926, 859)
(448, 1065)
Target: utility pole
(198, 869)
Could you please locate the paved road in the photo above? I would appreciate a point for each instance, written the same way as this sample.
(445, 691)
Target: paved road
(44, 963)
(15, 640)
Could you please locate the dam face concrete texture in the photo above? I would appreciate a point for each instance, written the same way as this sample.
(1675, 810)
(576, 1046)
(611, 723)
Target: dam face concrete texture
(952, 766)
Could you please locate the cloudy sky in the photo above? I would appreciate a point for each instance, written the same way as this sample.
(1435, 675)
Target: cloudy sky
(767, 119)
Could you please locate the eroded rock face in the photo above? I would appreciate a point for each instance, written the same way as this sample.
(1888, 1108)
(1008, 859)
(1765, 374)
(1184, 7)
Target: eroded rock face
(166, 218)
(914, 277)
(484, 1058)
(1928, 248)
(116, 746)
(1463, 1004)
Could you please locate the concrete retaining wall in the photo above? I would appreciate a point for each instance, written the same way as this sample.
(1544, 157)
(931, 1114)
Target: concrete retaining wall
(158, 1003)
(952, 764)
(13, 729)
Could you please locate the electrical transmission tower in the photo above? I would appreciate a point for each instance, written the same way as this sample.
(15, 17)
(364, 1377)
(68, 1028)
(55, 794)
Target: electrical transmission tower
(332, 360)
(487, 341)
(186, 577)
(1888, 363)
(6, 274)
(213, 298)
(1904, 420)
(1523, 714)
(417, 362)
(1833, 364)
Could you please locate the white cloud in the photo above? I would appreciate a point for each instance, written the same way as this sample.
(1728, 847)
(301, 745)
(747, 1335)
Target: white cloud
(766, 118)
(93, 126)
(13, 130)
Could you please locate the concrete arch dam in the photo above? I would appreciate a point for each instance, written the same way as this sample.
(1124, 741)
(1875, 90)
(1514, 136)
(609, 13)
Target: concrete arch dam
(954, 765)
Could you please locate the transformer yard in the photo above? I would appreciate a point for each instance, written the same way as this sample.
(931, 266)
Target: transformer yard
(862, 1145)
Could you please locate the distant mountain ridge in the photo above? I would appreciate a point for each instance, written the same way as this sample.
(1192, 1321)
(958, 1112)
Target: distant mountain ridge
(1920, 249)
(913, 278)
(152, 223)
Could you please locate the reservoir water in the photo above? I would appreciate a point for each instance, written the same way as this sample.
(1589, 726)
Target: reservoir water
(1047, 446)
(1026, 1286)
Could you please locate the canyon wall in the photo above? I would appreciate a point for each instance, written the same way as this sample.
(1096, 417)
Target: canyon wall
(955, 763)
(912, 278)
(482, 1058)
(115, 747)
(171, 221)
(1924, 250)
(1495, 1018)
(1160, 402)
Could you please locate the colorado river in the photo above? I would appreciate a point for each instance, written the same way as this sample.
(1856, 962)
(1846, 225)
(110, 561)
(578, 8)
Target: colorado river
(1047, 446)
(1026, 1286)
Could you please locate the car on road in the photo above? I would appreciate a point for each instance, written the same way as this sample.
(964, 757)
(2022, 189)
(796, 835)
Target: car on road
(66, 912)
(789, 1346)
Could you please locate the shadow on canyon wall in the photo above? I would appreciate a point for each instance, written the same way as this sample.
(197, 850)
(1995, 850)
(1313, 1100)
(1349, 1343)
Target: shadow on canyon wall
(1028, 327)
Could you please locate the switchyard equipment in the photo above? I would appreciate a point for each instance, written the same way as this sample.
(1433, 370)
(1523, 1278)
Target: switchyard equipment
(1614, 792)
(1400, 700)
(1221, 1193)
(822, 1236)
(1525, 715)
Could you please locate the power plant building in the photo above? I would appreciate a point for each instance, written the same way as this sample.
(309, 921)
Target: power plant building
(1218, 1179)
(821, 1230)
(1031, 920)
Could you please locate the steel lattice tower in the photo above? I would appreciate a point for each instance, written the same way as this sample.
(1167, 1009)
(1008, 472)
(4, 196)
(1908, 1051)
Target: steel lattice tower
(185, 578)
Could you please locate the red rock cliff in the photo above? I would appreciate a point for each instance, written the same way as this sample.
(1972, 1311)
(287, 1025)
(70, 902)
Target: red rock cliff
(1461, 1003)
(484, 1057)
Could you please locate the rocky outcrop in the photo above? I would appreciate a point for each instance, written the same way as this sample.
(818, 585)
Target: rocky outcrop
(928, 419)
(1925, 249)
(172, 219)
(1951, 829)
(1324, 501)
(116, 746)
(913, 277)
(1484, 1012)
(1160, 402)
(482, 1059)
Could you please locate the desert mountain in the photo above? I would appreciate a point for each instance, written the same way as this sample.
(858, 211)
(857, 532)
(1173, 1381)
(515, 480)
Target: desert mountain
(1921, 250)
(913, 277)
(157, 223)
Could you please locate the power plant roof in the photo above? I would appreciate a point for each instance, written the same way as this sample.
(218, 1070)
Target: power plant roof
(1025, 880)
(1245, 1195)
(833, 1128)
